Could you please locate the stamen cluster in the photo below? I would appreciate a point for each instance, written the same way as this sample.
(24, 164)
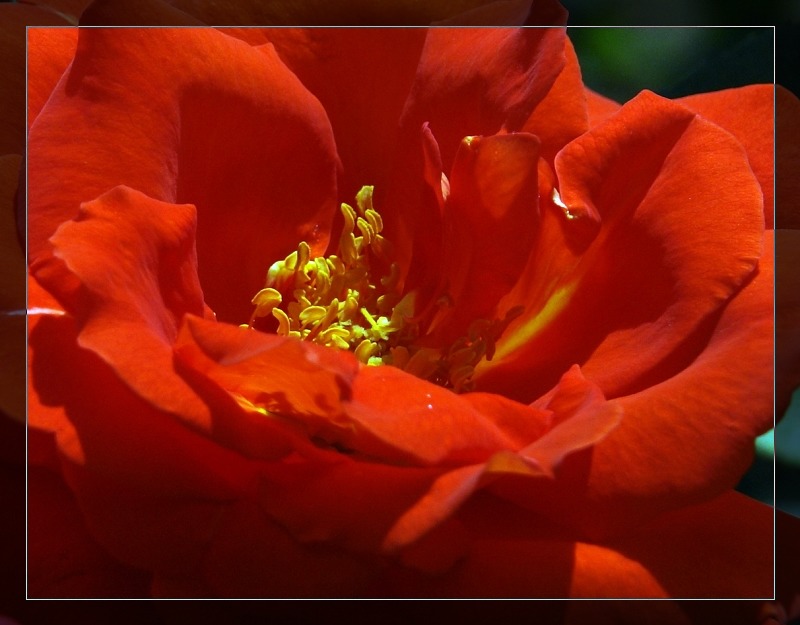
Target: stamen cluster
(332, 301)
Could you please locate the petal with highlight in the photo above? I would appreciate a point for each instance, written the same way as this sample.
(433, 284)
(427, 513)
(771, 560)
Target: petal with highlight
(666, 249)
(160, 111)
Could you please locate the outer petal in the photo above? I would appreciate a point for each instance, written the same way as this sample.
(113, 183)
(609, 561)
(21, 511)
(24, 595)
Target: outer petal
(13, 20)
(562, 115)
(698, 426)
(684, 440)
(253, 556)
(649, 252)
(599, 107)
(492, 78)
(701, 551)
(160, 111)
(693, 551)
(131, 291)
(50, 51)
(150, 488)
(748, 114)
(64, 561)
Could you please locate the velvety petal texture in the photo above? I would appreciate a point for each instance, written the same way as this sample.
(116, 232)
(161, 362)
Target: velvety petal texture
(14, 19)
(177, 139)
(613, 404)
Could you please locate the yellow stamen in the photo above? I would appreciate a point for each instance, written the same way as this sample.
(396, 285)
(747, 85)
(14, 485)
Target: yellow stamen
(333, 301)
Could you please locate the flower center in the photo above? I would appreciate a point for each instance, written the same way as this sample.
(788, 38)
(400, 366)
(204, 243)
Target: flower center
(334, 301)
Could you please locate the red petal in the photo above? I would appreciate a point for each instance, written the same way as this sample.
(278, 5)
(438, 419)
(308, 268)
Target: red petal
(419, 422)
(160, 111)
(748, 114)
(346, 503)
(291, 391)
(718, 549)
(477, 81)
(561, 116)
(253, 556)
(13, 21)
(691, 437)
(425, 252)
(64, 560)
(599, 107)
(129, 304)
(580, 418)
(104, 433)
(150, 487)
(50, 51)
(349, 70)
(490, 222)
(673, 246)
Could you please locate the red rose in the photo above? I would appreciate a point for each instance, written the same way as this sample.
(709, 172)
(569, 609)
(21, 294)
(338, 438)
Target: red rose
(597, 280)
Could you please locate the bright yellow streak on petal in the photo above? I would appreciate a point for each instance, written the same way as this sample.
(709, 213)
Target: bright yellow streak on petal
(513, 341)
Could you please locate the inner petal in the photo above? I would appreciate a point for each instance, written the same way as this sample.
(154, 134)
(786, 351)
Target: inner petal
(354, 300)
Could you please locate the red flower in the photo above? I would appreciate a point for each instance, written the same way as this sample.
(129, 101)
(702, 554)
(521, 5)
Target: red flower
(599, 279)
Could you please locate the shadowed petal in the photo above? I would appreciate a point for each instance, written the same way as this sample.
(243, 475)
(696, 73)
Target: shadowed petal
(50, 51)
(489, 222)
(657, 248)
(160, 111)
(13, 21)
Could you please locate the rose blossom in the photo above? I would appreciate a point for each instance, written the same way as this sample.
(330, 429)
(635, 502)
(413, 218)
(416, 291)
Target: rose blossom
(618, 373)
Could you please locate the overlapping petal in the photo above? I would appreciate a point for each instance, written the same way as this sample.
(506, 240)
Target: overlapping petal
(747, 113)
(14, 19)
(649, 251)
(189, 130)
(515, 554)
(567, 101)
(489, 223)
(64, 559)
(50, 51)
